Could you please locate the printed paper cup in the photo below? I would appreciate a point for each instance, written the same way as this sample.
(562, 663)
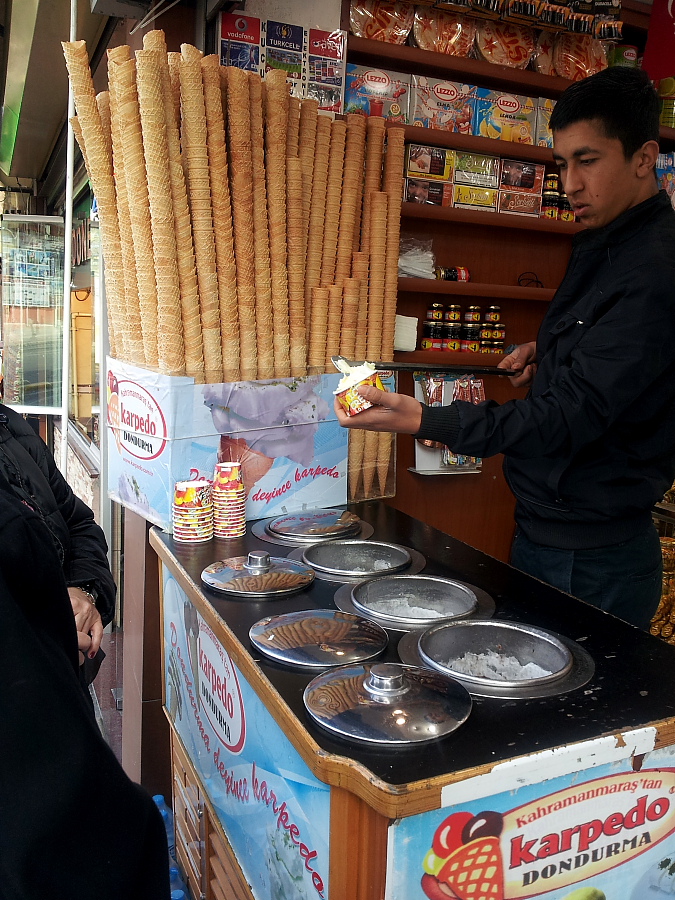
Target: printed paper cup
(192, 494)
(350, 399)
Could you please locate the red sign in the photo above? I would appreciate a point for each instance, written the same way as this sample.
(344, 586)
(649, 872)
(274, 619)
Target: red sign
(659, 56)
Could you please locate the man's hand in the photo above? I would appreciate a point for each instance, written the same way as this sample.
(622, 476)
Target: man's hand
(87, 619)
(523, 357)
(397, 413)
(83, 645)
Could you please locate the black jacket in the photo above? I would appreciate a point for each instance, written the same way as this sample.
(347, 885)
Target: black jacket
(30, 469)
(592, 447)
(72, 824)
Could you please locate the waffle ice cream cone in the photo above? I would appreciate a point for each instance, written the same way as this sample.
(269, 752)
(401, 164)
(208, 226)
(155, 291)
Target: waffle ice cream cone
(296, 267)
(333, 202)
(318, 208)
(352, 190)
(373, 172)
(318, 310)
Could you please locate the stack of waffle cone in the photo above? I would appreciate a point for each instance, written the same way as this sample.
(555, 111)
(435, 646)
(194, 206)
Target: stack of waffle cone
(261, 242)
(333, 200)
(393, 186)
(352, 190)
(99, 167)
(373, 173)
(377, 238)
(185, 257)
(241, 171)
(276, 103)
(357, 437)
(296, 266)
(196, 161)
(318, 209)
(334, 325)
(122, 77)
(170, 349)
(306, 151)
(316, 357)
(222, 218)
(293, 127)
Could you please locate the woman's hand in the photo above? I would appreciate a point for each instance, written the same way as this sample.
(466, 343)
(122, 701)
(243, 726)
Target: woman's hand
(87, 619)
(83, 645)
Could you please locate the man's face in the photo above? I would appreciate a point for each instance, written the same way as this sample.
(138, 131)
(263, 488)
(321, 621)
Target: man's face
(599, 181)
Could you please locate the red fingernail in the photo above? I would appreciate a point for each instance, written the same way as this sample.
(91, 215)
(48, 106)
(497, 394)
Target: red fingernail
(92, 655)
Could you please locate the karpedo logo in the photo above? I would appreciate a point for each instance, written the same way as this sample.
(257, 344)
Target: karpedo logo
(445, 92)
(553, 842)
(136, 418)
(508, 104)
(376, 80)
(219, 691)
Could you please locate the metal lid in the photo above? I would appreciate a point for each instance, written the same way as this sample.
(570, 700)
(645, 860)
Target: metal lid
(495, 653)
(315, 525)
(318, 638)
(413, 599)
(357, 558)
(257, 575)
(387, 703)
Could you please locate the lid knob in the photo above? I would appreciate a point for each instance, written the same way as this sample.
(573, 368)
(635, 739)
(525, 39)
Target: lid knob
(258, 561)
(386, 680)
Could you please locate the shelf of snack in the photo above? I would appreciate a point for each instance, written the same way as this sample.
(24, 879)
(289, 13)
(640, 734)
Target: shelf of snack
(474, 289)
(493, 219)
(469, 143)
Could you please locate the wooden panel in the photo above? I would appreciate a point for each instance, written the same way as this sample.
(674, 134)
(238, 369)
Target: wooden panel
(358, 848)
(470, 143)
(487, 219)
(224, 870)
(468, 289)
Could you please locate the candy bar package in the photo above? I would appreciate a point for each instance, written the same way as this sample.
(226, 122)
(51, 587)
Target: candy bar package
(518, 203)
(444, 32)
(476, 169)
(518, 175)
(505, 117)
(467, 196)
(422, 190)
(376, 92)
(381, 21)
(436, 163)
(543, 137)
(505, 43)
(577, 56)
(444, 105)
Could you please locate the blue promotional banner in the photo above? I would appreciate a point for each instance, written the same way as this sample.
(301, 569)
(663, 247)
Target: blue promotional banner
(274, 811)
(607, 833)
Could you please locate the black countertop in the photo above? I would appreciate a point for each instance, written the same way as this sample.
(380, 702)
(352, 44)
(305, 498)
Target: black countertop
(633, 684)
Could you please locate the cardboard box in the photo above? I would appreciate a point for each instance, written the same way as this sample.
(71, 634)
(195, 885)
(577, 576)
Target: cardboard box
(377, 92)
(505, 117)
(476, 169)
(165, 429)
(545, 107)
(518, 175)
(444, 105)
(518, 203)
(436, 163)
(467, 196)
(422, 190)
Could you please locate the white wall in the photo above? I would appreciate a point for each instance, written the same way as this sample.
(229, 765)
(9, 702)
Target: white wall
(324, 14)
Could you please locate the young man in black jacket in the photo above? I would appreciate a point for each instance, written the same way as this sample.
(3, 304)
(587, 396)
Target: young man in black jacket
(592, 447)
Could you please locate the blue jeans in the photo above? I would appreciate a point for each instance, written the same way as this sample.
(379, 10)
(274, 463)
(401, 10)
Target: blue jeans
(624, 579)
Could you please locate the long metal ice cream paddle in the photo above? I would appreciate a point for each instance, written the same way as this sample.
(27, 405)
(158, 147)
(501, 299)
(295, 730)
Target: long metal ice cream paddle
(462, 369)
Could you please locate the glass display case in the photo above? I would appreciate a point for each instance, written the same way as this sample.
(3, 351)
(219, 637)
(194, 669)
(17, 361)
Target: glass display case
(32, 311)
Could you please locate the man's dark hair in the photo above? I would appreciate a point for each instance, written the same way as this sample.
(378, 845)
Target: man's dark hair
(622, 99)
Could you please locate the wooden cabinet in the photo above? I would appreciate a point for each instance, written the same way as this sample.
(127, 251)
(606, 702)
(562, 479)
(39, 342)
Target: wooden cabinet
(498, 250)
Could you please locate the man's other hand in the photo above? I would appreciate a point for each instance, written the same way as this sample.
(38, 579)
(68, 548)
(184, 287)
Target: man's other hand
(523, 357)
(397, 413)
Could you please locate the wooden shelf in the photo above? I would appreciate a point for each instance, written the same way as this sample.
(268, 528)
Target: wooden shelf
(667, 135)
(481, 217)
(636, 14)
(474, 289)
(473, 144)
(402, 58)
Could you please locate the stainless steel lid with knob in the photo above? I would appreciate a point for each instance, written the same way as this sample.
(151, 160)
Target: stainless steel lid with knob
(315, 525)
(318, 638)
(257, 575)
(387, 703)
(357, 558)
(494, 654)
(413, 600)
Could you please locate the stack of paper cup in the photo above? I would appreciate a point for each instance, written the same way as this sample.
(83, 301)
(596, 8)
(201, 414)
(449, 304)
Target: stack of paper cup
(193, 511)
(229, 501)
